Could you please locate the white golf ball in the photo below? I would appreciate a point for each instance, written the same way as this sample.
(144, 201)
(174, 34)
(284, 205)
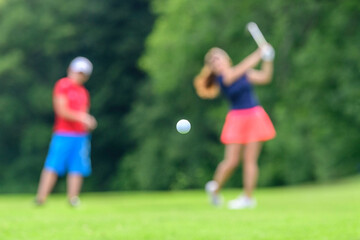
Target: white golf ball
(183, 126)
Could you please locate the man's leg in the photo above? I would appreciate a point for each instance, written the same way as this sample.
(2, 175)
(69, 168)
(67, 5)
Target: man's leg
(47, 182)
(74, 184)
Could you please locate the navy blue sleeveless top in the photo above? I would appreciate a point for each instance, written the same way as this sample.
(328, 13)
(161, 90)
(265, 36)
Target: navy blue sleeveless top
(240, 93)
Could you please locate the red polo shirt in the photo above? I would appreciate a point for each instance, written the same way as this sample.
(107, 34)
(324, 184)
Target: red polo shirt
(78, 99)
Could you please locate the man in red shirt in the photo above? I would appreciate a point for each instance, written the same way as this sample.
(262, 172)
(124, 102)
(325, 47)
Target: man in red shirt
(69, 150)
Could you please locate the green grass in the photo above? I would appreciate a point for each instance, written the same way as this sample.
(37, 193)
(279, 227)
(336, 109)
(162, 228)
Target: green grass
(307, 212)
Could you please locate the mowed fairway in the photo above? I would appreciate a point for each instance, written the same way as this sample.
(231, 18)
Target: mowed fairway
(329, 211)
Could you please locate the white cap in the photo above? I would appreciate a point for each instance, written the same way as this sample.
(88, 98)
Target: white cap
(81, 64)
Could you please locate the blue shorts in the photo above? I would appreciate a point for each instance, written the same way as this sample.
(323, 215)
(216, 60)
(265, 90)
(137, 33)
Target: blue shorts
(69, 153)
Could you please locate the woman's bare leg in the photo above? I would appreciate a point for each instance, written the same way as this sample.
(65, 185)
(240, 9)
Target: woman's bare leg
(250, 169)
(228, 165)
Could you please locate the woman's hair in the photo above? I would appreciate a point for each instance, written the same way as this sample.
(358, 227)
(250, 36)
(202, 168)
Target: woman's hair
(205, 82)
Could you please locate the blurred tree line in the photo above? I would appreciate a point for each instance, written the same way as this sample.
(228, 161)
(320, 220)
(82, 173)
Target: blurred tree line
(314, 99)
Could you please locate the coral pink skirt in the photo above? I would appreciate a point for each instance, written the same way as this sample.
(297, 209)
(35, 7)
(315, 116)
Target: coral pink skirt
(247, 125)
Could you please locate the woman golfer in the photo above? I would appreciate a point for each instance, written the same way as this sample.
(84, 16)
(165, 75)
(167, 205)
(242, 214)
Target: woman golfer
(247, 125)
